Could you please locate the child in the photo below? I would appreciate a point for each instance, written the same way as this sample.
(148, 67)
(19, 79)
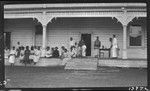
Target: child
(21, 54)
(66, 56)
(31, 57)
(12, 56)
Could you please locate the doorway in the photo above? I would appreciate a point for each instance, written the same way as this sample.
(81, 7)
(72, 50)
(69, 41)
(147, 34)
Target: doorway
(7, 39)
(87, 40)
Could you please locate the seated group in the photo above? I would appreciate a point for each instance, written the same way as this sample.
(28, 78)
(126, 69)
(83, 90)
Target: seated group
(32, 55)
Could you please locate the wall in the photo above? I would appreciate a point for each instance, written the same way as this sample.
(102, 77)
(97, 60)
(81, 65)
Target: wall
(138, 52)
(22, 31)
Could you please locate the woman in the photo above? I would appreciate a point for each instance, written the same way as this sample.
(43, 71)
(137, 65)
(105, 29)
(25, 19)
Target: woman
(37, 54)
(26, 56)
(83, 50)
(114, 47)
(12, 56)
(48, 52)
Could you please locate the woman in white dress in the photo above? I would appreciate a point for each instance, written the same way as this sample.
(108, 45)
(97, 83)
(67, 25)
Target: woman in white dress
(83, 50)
(114, 49)
(37, 55)
(12, 56)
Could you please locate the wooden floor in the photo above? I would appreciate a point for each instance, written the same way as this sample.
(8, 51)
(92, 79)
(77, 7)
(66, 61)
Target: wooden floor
(44, 62)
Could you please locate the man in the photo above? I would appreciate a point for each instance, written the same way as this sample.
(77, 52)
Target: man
(114, 47)
(97, 45)
(71, 43)
(81, 43)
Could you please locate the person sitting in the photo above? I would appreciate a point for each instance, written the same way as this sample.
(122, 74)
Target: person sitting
(56, 53)
(66, 57)
(37, 54)
(62, 52)
(48, 52)
(73, 52)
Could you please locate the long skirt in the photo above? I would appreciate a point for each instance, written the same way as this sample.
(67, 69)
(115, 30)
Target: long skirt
(12, 59)
(114, 52)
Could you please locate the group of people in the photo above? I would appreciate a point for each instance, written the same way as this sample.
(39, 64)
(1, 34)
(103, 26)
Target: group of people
(23, 54)
(32, 55)
(28, 55)
(114, 48)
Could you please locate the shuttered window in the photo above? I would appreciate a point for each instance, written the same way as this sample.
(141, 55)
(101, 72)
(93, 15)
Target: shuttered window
(135, 36)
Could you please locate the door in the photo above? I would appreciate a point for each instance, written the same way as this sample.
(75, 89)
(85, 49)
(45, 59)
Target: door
(87, 40)
(7, 38)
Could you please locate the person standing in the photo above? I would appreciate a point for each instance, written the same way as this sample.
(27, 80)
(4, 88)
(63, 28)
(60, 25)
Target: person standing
(83, 50)
(18, 45)
(71, 44)
(18, 49)
(66, 57)
(12, 56)
(97, 45)
(81, 43)
(110, 48)
(26, 55)
(114, 47)
(21, 54)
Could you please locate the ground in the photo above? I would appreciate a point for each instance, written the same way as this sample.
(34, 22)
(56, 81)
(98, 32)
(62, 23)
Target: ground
(51, 77)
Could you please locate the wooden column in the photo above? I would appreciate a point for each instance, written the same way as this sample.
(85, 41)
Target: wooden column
(124, 52)
(44, 19)
(124, 19)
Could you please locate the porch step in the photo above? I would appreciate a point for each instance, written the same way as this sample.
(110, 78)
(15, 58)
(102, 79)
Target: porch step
(82, 64)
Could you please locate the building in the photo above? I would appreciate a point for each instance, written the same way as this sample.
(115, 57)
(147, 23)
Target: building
(53, 25)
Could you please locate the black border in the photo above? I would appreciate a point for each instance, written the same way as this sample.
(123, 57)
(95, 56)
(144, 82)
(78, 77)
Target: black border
(2, 67)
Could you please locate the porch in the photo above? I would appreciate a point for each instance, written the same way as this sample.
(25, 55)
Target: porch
(88, 63)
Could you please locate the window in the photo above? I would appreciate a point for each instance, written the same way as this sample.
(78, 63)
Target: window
(135, 36)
